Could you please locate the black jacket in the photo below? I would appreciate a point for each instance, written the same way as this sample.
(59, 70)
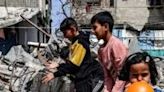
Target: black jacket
(79, 62)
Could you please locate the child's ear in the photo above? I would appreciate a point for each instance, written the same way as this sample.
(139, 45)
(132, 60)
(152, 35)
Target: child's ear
(106, 26)
(73, 28)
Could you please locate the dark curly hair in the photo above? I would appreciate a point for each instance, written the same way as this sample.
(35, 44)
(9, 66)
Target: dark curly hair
(135, 58)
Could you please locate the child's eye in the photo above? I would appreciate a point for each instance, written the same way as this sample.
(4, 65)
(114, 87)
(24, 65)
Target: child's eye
(144, 74)
(135, 75)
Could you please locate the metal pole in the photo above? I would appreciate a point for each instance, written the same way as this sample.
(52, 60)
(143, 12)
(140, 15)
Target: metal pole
(47, 34)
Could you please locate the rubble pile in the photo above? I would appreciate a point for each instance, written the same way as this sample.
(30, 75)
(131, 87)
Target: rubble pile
(17, 68)
(160, 68)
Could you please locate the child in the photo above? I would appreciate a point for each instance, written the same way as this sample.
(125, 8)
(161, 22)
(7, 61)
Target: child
(112, 53)
(139, 66)
(87, 73)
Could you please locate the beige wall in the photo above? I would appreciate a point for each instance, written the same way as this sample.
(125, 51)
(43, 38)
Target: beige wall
(134, 12)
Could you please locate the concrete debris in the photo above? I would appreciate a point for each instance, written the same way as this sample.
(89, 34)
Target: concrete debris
(11, 15)
(17, 68)
(51, 52)
(160, 68)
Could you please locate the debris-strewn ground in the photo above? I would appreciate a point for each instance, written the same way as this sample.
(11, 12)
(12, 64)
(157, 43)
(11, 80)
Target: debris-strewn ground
(20, 71)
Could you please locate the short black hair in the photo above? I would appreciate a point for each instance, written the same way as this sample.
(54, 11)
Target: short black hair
(67, 23)
(102, 18)
(135, 58)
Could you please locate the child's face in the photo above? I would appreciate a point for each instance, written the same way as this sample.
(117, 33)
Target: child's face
(139, 72)
(98, 30)
(69, 33)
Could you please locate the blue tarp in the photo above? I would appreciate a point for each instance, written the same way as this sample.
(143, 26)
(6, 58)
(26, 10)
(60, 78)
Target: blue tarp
(57, 13)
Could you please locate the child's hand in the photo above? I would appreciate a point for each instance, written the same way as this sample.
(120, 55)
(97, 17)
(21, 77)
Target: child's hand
(51, 65)
(126, 86)
(49, 76)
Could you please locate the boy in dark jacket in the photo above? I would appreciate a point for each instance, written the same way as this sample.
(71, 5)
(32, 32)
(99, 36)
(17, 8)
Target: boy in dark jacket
(87, 73)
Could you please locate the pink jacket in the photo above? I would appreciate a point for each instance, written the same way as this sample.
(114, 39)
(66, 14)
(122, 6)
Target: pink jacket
(112, 56)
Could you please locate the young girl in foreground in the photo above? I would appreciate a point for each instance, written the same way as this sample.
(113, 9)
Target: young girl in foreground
(138, 67)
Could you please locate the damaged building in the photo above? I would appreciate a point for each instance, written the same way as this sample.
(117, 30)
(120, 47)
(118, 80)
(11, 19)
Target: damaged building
(138, 23)
(14, 30)
(139, 20)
